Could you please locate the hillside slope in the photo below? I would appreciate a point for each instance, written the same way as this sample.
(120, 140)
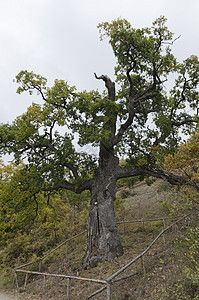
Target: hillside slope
(153, 277)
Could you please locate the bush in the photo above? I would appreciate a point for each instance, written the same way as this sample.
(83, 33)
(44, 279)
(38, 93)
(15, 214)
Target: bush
(187, 286)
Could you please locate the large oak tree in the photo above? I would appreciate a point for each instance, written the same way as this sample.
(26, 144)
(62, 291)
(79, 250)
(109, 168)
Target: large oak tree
(137, 118)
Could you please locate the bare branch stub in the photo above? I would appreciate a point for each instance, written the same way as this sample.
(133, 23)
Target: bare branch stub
(109, 84)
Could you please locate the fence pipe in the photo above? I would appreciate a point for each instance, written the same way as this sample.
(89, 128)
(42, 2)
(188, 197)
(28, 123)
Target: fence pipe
(97, 292)
(146, 250)
(63, 244)
(125, 277)
(28, 264)
(40, 259)
(148, 220)
(64, 276)
(108, 281)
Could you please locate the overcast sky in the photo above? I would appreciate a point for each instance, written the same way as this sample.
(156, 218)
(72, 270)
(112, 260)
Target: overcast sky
(60, 39)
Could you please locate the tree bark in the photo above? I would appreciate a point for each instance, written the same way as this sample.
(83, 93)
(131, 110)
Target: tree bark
(103, 242)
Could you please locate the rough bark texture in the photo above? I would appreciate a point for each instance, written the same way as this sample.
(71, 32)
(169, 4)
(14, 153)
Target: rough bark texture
(103, 242)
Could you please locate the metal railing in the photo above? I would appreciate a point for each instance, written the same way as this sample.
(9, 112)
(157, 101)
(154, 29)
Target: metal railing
(107, 282)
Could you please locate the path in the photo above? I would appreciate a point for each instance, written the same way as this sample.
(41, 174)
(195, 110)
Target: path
(7, 297)
(10, 296)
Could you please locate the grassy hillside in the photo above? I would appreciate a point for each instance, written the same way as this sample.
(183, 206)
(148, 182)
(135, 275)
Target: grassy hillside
(168, 271)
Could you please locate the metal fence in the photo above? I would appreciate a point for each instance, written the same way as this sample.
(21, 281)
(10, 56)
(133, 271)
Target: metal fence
(106, 282)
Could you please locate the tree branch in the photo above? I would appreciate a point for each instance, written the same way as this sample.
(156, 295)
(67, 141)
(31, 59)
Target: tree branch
(128, 172)
(180, 100)
(186, 121)
(109, 84)
(86, 185)
(170, 177)
(129, 121)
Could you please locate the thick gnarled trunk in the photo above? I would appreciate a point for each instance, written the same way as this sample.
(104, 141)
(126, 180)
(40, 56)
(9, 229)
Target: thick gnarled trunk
(103, 242)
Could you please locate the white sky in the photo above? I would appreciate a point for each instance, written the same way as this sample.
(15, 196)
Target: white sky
(60, 39)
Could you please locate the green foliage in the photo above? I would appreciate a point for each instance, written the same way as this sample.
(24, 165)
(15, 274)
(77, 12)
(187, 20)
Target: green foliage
(186, 162)
(31, 222)
(187, 285)
(52, 227)
(129, 182)
(119, 208)
(141, 45)
(192, 252)
(29, 81)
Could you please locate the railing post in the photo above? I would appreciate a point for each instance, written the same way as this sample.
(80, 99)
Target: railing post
(66, 247)
(108, 287)
(68, 289)
(164, 223)
(143, 225)
(40, 265)
(123, 227)
(25, 282)
(143, 266)
(44, 286)
(17, 285)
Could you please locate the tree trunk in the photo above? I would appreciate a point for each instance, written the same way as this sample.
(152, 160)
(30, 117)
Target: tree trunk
(103, 242)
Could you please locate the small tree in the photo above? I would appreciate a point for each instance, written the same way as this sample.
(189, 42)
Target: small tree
(185, 162)
(140, 121)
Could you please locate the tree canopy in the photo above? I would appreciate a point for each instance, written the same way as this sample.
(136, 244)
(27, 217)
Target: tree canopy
(144, 61)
